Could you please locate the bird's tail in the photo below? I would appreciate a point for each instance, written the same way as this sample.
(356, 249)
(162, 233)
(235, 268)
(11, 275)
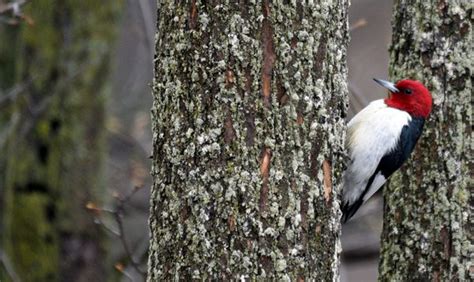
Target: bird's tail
(349, 210)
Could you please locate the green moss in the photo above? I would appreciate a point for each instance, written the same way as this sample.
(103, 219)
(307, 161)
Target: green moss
(8, 47)
(34, 239)
(54, 154)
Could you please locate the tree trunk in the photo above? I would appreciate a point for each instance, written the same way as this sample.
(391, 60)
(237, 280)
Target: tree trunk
(249, 107)
(54, 149)
(426, 233)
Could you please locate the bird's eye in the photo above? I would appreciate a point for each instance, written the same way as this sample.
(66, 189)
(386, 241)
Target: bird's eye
(407, 91)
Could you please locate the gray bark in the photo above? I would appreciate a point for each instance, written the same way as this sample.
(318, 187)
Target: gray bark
(248, 122)
(427, 227)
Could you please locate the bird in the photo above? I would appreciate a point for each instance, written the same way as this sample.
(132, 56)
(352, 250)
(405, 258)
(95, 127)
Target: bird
(380, 138)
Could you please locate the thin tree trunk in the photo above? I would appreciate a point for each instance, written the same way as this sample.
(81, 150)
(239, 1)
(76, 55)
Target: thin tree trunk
(427, 235)
(249, 107)
(54, 149)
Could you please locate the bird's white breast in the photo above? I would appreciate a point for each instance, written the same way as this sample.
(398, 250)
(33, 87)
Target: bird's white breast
(371, 134)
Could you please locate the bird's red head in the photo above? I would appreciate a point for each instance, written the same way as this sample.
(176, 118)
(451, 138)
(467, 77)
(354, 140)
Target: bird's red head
(410, 96)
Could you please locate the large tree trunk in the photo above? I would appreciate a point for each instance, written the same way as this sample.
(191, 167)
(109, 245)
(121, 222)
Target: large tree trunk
(426, 233)
(249, 107)
(55, 139)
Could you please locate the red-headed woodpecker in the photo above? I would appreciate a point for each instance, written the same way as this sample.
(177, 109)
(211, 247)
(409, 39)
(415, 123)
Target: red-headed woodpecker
(380, 138)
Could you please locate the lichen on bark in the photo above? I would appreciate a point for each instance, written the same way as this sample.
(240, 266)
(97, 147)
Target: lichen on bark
(248, 124)
(428, 218)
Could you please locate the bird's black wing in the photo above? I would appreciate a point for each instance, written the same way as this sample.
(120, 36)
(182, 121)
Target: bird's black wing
(390, 162)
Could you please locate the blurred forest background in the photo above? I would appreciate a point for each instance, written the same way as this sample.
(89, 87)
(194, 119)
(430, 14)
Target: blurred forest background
(84, 70)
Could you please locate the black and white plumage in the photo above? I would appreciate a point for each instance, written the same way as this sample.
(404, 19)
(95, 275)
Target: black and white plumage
(380, 138)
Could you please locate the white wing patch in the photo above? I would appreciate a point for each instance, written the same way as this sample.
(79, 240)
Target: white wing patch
(371, 134)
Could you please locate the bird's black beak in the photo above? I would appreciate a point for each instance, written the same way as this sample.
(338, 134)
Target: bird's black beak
(387, 84)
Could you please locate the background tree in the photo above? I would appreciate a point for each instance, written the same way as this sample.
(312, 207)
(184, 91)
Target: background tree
(427, 214)
(54, 137)
(249, 107)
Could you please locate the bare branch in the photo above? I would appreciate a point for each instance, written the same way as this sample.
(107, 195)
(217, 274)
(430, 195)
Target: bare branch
(118, 218)
(121, 268)
(117, 215)
(114, 232)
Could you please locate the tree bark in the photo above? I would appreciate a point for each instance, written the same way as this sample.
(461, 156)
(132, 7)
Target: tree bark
(249, 107)
(427, 232)
(54, 148)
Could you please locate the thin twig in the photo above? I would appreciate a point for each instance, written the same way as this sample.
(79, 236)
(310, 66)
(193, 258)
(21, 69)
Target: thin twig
(127, 198)
(117, 214)
(118, 218)
(122, 270)
(128, 141)
(135, 265)
(100, 222)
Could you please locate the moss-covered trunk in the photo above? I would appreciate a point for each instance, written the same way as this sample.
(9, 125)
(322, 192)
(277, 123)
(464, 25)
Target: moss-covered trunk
(427, 231)
(249, 107)
(54, 144)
